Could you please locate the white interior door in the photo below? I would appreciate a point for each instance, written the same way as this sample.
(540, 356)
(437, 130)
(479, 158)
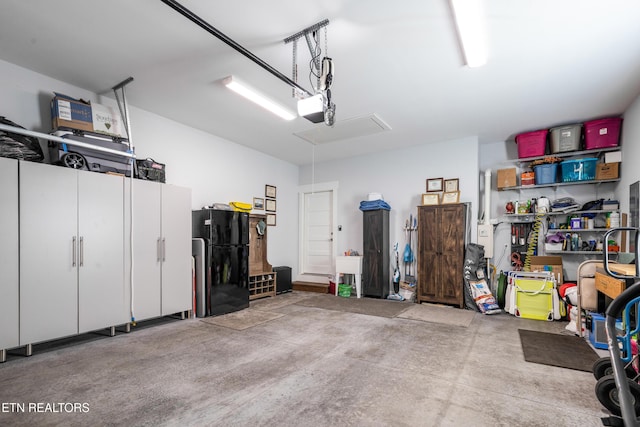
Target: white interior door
(318, 246)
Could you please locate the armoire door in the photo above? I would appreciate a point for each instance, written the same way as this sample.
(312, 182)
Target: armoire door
(48, 252)
(428, 253)
(451, 264)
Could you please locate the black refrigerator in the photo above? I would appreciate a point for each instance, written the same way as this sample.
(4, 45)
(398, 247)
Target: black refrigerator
(225, 260)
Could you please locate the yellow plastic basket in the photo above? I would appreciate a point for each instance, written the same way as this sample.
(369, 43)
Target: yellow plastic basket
(241, 206)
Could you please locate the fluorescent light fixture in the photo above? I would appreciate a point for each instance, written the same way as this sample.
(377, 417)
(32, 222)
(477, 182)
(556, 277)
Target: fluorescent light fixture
(471, 32)
(254, 95)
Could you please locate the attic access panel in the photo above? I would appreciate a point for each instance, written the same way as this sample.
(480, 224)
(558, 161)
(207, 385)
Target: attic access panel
(344, 129)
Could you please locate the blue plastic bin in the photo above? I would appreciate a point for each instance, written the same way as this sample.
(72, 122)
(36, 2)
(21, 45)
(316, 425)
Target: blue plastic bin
(546, 173)
(579, 170)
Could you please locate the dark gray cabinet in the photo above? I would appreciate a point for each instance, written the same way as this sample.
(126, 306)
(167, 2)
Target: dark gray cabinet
(375, 262)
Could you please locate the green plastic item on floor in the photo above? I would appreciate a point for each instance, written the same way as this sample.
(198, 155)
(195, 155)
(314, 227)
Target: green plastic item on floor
(344, 290)
(502, 289)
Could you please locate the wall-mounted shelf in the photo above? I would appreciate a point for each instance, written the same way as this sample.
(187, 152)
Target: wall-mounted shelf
(573, 252)
(60, 140)
(594, 211)
(592, 153)
(555, 185)
(577, 230)
(530, 217)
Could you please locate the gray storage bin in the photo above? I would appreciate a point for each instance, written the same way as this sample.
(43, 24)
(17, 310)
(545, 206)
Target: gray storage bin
(565, 138)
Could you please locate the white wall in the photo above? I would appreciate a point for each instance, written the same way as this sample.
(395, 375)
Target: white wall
(629, 170)
(400, 175)
(215, 169)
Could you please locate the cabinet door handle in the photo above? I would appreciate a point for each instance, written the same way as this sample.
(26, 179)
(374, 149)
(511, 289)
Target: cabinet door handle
(158, 250)
(164, 249)
(81, 251)
(73, 251)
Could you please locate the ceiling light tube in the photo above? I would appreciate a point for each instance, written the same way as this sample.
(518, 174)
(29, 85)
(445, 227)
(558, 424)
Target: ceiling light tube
(471, 32)
(254, 95)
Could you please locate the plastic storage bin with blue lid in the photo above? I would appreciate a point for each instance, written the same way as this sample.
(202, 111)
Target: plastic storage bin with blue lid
(546, 173)
(579, 170)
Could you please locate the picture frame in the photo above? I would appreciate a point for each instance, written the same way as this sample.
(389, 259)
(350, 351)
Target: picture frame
(271, 220)
(451, 185)
(270, 205)
(270, 191)
(430, 199)
(434, 185)
(258, 203)
(450, 197)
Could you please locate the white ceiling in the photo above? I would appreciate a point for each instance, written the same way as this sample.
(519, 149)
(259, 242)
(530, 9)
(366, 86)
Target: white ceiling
(550, 62)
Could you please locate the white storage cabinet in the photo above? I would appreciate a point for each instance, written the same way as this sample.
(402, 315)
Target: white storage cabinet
(71, 252)
(162, 278)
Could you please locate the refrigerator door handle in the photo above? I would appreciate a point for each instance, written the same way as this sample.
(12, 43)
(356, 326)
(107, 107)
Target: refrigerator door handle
(158, 250)
(164, 249)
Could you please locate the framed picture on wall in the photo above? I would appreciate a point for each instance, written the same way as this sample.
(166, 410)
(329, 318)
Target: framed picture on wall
(434, 185)
(270, 205)
(451, 197)
(258, 203)
(451, 185)
(270, 191)
(430, 199)
(271, 220)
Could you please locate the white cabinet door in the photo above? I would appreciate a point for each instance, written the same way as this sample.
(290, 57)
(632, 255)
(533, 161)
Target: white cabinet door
(102, 297)
(146, 249)
(177, 288)
(48, 255)
(9, 254)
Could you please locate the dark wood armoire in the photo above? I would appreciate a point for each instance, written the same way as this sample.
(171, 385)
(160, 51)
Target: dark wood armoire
(441, 233)
(375, 261)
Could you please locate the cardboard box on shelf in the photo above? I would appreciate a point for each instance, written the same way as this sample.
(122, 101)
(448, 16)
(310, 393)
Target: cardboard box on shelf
(543, 263)
(506, 178)
(70, 113)
(607, 171)
(106, 120)
(613, 157)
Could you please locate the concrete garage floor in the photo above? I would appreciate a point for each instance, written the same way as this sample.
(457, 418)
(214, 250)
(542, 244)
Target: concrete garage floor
(303, 366)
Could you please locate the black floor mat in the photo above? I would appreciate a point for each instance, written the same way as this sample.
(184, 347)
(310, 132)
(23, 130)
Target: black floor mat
(565, 351)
